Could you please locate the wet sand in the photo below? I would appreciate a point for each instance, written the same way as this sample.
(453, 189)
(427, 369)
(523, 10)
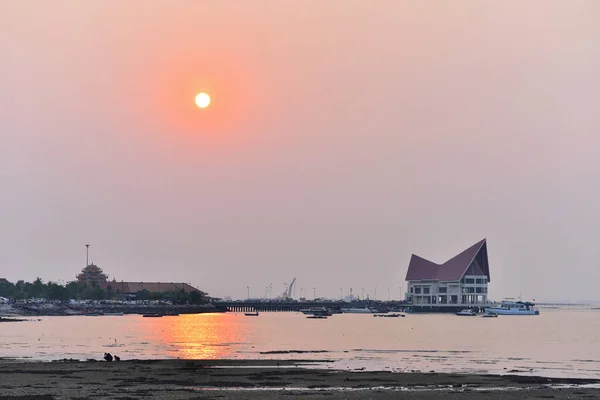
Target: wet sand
(263, 379)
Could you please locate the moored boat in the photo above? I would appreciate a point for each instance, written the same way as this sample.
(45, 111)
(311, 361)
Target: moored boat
(316, 311)
(317, 316)
(253, 314)
(394, 315)
(466, 313)
(509, 307)
(152, 315)
(490, 315)
(357, 310)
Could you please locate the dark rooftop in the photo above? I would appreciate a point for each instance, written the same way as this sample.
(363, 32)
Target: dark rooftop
(474, 259)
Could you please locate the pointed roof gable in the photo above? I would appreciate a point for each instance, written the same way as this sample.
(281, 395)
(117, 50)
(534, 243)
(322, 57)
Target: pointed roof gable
(453, 269)
(420, 268)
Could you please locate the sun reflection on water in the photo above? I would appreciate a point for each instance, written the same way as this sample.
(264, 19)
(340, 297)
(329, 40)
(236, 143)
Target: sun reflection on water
(198, 336)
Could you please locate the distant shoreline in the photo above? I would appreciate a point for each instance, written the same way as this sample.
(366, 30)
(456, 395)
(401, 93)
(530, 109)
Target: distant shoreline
(265, 379)
(28, 310)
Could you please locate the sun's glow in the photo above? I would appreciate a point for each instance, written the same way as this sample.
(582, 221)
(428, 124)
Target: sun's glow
(202, 100)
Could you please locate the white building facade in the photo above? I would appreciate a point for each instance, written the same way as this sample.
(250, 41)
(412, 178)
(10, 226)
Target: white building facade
(462, 280)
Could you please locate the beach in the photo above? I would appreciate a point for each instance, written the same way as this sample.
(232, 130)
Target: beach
(264, 379)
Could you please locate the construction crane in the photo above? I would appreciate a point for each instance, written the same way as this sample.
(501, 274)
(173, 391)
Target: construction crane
(268, 291)
(289, 289)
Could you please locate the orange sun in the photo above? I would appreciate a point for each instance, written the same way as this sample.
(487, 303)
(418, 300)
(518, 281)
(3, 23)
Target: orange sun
(202, 100)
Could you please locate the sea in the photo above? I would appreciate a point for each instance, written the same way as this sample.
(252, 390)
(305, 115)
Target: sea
(560, 342)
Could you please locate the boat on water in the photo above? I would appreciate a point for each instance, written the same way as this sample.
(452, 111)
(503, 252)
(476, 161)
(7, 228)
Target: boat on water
(489, 315)
(509, 307)
(152, 315)
(113, 314)
(316, 311)
(93, 314)
(357, 310)
(389, 315)
(251, 314)
(317, 316)
(467, 312)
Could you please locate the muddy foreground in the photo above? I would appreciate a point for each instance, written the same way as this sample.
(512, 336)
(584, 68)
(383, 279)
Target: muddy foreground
(264, 380)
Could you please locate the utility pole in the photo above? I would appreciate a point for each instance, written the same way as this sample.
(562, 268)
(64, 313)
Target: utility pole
(363, 294)
(87, 255)
(400, 289)
(248, 287)
(314, 293)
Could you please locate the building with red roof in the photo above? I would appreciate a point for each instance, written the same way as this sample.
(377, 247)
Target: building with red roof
(462, 280)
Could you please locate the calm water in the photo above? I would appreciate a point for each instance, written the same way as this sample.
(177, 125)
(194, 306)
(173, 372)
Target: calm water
(556, 343)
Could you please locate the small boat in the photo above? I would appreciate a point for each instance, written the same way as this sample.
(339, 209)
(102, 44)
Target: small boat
(172, 315)
(466, 313)
(316, 311)
(389, 315)
(514, 308)
(152, 315)
(316, 316)
(357, 310)
(489, 315)
(251, 314)
(94, 314)
(113, 314)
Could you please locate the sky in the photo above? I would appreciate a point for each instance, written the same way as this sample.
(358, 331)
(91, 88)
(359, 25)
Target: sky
(342, 137)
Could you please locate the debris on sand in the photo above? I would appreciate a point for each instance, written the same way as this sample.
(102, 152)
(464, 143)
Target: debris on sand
(5, 319)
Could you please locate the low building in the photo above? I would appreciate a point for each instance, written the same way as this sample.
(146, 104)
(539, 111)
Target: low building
(131, 288)
(461, 281)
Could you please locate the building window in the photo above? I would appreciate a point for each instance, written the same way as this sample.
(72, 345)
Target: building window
(411, 289)
(417, 290)
(469, 280)
(479, 290)
(426, 290)
(443, 289)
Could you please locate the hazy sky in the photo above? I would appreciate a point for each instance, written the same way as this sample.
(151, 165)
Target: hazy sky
(343, 136)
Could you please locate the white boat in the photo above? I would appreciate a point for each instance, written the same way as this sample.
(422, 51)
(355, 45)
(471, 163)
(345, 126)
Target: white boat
(514, 308)
(490, 315)
(316, 311)
(357, 310)
(467, 312)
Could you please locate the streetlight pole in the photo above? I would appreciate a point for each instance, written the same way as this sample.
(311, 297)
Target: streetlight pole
(87, 255)
(314, 293)
(248, 287)
(363, 294)
(400, 289)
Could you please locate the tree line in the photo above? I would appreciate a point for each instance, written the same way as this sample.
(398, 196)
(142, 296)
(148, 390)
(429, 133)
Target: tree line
(38, 289)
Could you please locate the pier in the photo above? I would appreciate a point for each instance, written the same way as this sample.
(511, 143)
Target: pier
(278, 306)
(376, 306)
